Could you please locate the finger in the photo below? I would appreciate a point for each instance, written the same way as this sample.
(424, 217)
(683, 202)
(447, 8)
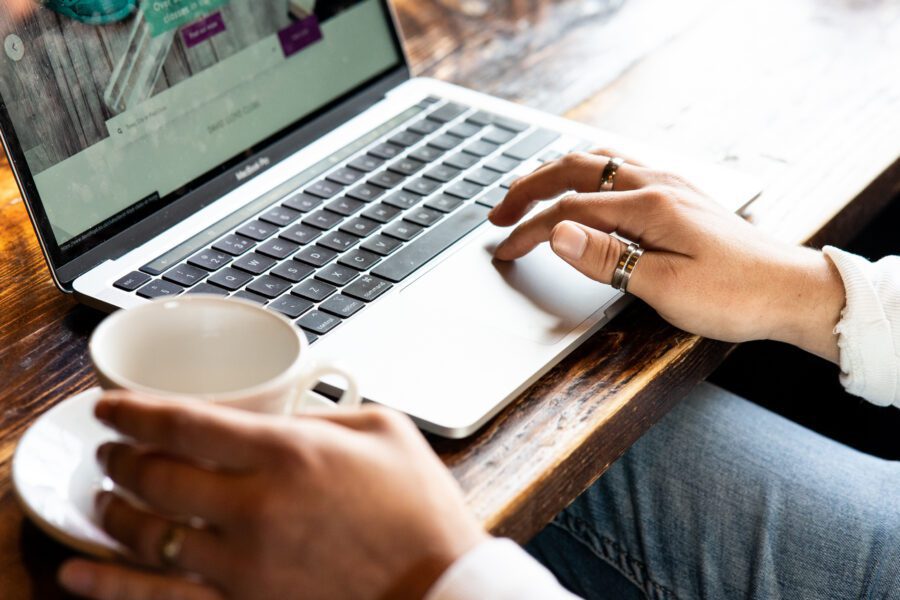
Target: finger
(144, 535)
(610, 153)
(169, 485)
(596, 253)
(103, 581)
(229, 438)
(579, 172)
(604, 211)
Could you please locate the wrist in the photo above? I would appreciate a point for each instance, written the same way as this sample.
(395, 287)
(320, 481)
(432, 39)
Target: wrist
(809, 299)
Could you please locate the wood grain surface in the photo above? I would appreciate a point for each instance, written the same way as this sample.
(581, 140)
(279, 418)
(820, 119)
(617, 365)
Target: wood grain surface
(803, 95)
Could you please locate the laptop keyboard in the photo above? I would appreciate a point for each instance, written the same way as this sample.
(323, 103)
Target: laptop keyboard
(324, 252)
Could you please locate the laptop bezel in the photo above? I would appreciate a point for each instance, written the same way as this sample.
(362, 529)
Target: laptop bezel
(117, 236)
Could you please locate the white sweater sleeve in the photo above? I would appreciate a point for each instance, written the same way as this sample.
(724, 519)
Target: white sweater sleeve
(497, 570)
(869, 329)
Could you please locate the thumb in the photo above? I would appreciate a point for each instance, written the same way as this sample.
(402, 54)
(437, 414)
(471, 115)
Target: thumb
(592, 252)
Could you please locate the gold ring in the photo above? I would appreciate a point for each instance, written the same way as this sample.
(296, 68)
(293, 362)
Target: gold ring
(171, 545)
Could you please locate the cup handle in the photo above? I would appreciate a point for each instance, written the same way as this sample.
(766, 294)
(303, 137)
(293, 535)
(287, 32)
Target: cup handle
(317, 372)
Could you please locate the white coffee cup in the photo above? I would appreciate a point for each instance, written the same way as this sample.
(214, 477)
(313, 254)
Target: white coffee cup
(219, 350)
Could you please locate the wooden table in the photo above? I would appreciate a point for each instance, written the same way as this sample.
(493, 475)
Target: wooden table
(804, 95)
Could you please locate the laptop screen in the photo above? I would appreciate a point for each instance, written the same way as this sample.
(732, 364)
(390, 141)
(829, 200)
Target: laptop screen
(118, 105)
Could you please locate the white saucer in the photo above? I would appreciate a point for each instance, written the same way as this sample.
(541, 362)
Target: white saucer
(56, 476)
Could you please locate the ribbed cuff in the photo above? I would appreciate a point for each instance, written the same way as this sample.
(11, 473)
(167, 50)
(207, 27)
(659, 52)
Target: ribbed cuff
(497, 569)
(869, 361)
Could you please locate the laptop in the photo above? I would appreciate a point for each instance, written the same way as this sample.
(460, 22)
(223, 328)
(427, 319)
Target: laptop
(284, 155)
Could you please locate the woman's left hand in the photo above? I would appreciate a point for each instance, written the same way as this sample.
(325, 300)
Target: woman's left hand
(338, 505)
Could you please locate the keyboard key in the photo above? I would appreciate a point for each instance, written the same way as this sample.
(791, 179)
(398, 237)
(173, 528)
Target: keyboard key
(480, 148)
(386, 151)
(185, 275)
(484, 177)
(444, 203)
(291, 306)
(382, 213)
(301, 234)
(270, 287)
(388, 179)
(344, 206)
(424, 217)
(511, 124)
(550, 156)
(158, 289)
(427, 154)
(254, 263)
(318, 322)
(324, 189)
(464, 130)
(495, 135)
(531, 145)
(323, 219)
(443, 173)
(132, 281)
(446, 142)
(381, 244)
(403, 200)
(366, 163)
(448, 112)
(359, 260)
(314, 290)
(462, 161)
(502, 164)
(367, 288)
(482, 118)
(492, 198)
(293, 271)
(464, 189)
(402, 230)
(339, 241)
(258, 230)
(346, 176)
(366, 192)
(245, 295)
(407, 166)
(507, 183)
(310, 337)
(302, 202)
(233, 244)
(360, 227)
(316, 256)
(341, 306)
(211, 260)
(338, 275)
(278, 248)
(230, 279)
(205, 288)
(425, 127)
(422, 186)
(406, 139)
(410, 258)
(281, 216)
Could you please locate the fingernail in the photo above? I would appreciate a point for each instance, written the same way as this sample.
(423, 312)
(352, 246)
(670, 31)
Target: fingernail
(569, 241)
(103, 455)
(500, 247)
(77, 578)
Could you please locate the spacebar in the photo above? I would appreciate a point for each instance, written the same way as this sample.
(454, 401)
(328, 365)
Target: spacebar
(417, 253)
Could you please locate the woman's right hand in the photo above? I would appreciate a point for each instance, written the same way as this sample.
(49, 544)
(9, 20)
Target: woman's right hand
(704, 269)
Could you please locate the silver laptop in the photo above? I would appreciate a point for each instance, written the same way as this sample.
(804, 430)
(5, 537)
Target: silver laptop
(281, 153)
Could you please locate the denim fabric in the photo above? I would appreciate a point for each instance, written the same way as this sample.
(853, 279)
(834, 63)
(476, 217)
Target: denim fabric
(724, 499)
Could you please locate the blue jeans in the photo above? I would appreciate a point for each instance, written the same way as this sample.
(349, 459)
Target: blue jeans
(724, 499)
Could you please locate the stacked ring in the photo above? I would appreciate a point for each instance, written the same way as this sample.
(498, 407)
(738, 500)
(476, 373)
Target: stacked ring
(171, 545)
(608, 177)
(625, 267)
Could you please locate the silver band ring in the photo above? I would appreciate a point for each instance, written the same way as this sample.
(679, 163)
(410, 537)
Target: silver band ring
(625, 267)
(608, 177)
(171, 545)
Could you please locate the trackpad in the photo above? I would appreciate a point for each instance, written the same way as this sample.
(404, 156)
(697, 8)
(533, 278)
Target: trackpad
(539, 297)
